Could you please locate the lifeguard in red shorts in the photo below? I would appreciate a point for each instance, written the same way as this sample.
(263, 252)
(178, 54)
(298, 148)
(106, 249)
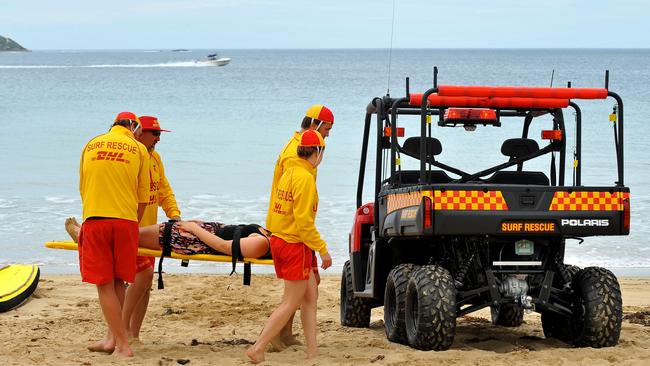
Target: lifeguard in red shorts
(294, 240)
(114, 187)
(318, 118)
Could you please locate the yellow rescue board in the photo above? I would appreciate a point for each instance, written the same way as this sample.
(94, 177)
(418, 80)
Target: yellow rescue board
(17, 283)
(69, 245)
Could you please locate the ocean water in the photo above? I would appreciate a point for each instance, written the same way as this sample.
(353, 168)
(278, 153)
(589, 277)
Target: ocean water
(229, 124)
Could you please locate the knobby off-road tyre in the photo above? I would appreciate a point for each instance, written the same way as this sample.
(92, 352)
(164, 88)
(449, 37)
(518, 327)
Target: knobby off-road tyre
(355, 311)
(509, 315)
(599, 311)
(430, 309)
(555, 325)
(395, 302)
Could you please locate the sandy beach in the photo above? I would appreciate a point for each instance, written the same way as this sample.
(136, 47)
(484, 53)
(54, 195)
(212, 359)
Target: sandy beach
(212, 319)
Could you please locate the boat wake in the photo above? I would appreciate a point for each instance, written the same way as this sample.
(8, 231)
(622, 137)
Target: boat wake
(108, 66)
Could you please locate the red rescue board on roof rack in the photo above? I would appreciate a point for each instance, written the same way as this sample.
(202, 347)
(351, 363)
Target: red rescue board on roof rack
(438, 101)
(521, 92)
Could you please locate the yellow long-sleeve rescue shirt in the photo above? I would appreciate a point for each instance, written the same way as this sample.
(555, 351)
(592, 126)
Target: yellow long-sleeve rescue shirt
(287, 158)
(114, 175)
(160, 193)
(293, 215)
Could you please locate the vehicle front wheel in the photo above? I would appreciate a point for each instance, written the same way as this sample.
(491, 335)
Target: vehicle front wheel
(430, 309)
(355, 311)
(395, 301)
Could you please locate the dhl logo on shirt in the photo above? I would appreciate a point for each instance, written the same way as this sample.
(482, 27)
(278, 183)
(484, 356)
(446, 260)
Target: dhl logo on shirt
(469, 200)
(110, 156)
(588, 201)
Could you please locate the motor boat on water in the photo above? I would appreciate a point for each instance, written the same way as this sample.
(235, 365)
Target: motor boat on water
(214, 59)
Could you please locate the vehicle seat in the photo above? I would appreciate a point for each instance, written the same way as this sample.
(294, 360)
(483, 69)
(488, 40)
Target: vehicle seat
(411, 147)
(411, 177)
(515, 148)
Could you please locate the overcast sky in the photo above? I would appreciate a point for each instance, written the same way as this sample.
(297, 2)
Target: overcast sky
(221, 24)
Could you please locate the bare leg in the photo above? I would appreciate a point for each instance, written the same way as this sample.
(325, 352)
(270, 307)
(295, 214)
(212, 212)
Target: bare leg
(287, 333)
(136, 302)
(308, 316)
(285, 338)
(148, 237)
(294, 292)
(109, 299)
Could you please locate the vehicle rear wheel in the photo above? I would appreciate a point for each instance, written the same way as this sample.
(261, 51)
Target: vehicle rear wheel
(395, 302)
(430, 309)
(355, 311)
(599, 311)
(508, 315)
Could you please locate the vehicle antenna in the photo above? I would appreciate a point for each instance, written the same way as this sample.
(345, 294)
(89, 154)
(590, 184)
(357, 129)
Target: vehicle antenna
(408, 89)
(552, 74)
(435, 76)
(390, 50)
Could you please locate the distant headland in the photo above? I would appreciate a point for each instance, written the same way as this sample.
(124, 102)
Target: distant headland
(7, 44)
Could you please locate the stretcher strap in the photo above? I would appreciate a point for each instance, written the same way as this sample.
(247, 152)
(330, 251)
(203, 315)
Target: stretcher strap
(236, 248)
(246, 230)
(166, 250)
(247, 274)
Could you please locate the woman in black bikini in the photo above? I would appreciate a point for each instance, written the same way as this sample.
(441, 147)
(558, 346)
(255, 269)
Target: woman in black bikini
(199, 237)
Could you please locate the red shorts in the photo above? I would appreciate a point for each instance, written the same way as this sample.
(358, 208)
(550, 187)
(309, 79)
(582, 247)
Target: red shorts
(144, 263)
(292, 261)
(107, 250)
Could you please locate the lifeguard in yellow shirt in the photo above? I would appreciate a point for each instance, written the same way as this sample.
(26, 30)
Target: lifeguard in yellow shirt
(293, 243)
(318, 118)
(114, 187)
(160, 194)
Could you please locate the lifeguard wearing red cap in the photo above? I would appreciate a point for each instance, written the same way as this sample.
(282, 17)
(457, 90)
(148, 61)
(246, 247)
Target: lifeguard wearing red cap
(311, 138)
(150, 123)
(321, 113)
(129, 116)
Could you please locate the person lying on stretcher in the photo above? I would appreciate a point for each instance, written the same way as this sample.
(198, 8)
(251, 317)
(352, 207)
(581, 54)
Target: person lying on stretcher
(198, 237)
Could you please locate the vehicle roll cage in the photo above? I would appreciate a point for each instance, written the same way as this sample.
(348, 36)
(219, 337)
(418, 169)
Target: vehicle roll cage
(527, 102)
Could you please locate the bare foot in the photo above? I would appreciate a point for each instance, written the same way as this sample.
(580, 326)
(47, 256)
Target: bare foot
(277, 345)
(72, 227)
(290, 340)
(311, 354)
(255, 356)
(123, 352)
(104, 345)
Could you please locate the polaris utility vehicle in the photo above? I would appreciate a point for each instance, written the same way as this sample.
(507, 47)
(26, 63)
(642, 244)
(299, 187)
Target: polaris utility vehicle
(439, 242)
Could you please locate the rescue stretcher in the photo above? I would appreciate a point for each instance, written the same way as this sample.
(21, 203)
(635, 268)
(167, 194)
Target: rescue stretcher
(70, 245)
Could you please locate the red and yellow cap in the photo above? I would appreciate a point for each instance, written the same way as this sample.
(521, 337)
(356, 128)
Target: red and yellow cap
(321, 113)
(311, 138)
(128, 116)
(150, 123)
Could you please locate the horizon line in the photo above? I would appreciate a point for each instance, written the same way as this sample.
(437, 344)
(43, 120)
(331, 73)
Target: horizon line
(340, 48)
